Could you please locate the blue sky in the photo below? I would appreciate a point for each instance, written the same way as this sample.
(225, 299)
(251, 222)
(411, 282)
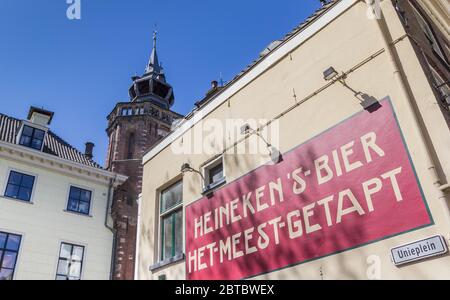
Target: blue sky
(80, 68)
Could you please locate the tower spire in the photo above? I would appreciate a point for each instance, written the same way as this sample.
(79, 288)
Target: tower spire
(152, 85)
(153, 65)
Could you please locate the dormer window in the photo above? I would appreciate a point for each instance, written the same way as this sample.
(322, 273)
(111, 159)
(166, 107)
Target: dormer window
(34, 128)
(32, 137)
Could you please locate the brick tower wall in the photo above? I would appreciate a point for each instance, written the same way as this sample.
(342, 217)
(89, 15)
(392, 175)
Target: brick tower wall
(148, 129)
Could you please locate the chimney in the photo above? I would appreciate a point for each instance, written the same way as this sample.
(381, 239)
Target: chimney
(88, 152)
(40, 116)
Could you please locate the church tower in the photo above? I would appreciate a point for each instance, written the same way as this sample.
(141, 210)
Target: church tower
(133, 128)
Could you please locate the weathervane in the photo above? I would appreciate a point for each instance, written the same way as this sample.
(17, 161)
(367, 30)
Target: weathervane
(155, 34)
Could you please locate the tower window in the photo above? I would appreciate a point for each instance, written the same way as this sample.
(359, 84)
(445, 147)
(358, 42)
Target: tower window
(112, 148)
(130, 148)
(130, 200)
(160, 89)
(32, 137)
(126, 111)
(143, 87)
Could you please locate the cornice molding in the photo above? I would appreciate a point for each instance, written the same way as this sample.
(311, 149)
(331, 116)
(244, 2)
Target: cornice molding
(54, 163)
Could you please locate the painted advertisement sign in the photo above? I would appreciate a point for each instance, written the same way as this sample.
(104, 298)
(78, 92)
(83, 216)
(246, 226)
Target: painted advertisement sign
(349, 186)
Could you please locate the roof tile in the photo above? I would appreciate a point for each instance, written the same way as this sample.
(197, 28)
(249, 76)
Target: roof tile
(53, 144)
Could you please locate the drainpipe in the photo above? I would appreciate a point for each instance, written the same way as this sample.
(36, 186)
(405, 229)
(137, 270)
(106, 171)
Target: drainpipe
(138, 233)
(438, 175)
(112, 229)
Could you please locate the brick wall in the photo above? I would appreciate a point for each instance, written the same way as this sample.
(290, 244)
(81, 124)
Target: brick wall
(146, 129)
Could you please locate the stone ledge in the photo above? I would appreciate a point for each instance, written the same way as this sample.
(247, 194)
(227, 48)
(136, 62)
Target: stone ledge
(166, 262)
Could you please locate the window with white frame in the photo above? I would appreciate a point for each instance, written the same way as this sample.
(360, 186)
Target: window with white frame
(171, 221)
(9, 251)
(19, 186)
(70, 262)
(32, 137)
(214, 174)
(79, 200)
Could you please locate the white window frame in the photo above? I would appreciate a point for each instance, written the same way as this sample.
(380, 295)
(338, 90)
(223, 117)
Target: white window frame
(19, 253)
(205, 171)
(35, 126)
(90, 205)
(160, 216)
(5, 185)
(58, 253)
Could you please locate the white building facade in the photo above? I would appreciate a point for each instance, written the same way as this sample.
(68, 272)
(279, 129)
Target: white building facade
(54, 205)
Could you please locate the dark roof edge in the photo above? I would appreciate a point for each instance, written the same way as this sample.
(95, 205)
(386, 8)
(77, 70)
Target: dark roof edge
(41, 111)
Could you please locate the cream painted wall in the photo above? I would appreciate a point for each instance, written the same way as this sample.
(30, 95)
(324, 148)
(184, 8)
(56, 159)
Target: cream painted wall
(44, 224)
(343, 44)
